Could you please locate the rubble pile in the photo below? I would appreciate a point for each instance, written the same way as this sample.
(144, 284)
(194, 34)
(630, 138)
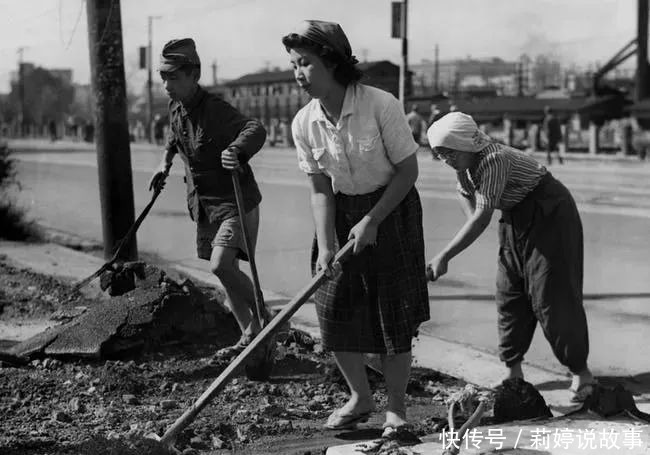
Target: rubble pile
(156, 311)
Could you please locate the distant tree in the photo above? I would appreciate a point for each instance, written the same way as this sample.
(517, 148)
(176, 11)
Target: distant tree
(47, 97)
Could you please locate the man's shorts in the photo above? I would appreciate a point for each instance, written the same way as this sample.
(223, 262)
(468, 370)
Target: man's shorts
(227, 234)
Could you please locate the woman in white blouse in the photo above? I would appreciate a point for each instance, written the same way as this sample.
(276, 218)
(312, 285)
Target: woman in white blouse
(355, 145)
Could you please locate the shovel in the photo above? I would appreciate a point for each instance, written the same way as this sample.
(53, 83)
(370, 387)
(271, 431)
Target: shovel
(259, 368)
(267, 332)
(120, 246)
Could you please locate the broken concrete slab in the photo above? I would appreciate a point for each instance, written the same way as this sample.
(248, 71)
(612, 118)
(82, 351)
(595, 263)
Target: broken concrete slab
(158, 310)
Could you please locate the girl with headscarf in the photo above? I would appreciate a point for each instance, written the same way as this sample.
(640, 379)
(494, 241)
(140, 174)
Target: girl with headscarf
(356, 147)
(540, 264)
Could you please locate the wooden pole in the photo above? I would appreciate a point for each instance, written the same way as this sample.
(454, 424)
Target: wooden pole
(403, 68)
(111, 125)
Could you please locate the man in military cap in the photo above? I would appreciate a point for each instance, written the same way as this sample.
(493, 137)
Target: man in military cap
(213, 139)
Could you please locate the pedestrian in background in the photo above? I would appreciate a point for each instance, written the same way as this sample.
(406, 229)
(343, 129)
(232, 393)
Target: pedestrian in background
(355, 145)
(540, 264)
(417, 123)
(435, 114)
(158, 129)
(51, 126)
(213, 139)
(553, 135)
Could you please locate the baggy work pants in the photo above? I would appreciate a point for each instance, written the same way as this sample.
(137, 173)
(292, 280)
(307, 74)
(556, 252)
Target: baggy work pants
(540, 274)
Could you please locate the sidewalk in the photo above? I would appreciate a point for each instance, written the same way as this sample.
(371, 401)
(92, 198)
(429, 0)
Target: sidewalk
(453, 359)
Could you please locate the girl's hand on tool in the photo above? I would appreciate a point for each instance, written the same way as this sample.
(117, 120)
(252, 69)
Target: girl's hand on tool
(437, 267)
(324, 262)
(157, 181)
(364, 233)
(229, 159)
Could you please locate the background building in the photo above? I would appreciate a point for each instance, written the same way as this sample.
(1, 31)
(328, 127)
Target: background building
(274, 97)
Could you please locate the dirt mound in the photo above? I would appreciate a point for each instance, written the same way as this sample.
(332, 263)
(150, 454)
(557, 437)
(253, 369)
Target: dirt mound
(156, 311)
(94, 406)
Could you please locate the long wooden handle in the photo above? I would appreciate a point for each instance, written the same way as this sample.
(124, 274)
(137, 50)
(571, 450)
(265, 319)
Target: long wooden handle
(239, 361)
(121, 245)
(259, 297)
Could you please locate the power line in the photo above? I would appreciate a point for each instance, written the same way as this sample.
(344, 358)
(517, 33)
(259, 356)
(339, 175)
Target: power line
(74, 29)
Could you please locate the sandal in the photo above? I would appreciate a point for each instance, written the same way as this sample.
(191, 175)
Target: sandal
(583, 392)
(339, 421)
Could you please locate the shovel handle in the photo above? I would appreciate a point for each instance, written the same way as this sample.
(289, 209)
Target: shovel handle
(239, 361)
(121, 245)
(259, 297)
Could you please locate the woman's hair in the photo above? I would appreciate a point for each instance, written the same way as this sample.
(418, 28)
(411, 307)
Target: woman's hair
(345, 71)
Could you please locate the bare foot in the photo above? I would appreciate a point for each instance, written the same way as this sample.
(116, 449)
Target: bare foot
(515, 371)
(581, 379)
(395, 419)
(357, 405)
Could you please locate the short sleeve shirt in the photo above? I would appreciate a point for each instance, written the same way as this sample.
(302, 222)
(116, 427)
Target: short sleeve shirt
(502, 178)
(360, 152)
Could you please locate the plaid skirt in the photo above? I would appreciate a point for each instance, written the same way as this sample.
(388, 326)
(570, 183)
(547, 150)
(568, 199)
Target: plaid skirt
(378, 301)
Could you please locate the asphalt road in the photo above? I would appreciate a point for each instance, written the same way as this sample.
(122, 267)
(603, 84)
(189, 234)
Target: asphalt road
(59, 188)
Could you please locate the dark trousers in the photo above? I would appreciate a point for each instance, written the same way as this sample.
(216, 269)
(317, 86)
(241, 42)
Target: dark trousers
(550, 148)
(540, 274)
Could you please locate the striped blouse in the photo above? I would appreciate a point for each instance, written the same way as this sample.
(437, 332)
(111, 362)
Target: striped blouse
(502, 178)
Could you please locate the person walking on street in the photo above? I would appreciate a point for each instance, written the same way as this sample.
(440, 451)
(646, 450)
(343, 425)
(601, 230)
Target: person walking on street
(435, 114)
(52, 130)
(553, 132)
(540, 263)
(158, 129)
(213, 139)
(356, 147)
(416, 123)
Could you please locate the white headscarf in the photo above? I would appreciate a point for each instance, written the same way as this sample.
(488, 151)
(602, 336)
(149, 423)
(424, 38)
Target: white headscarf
(457, 131)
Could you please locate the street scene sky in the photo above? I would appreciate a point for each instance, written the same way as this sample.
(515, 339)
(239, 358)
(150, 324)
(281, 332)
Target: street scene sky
(243, 36)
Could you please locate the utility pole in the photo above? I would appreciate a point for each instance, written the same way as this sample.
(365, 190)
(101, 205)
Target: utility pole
(149, 78)
(436, 71)
(403, 69)
(398, 30)
(21, 90)
(214, 73)
(642, 82)
(520, 77)
(111, 125)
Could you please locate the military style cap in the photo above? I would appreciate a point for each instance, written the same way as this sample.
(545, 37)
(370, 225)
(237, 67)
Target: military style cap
(178, 52)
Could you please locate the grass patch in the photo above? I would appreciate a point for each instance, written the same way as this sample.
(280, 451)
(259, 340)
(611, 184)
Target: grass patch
(14, 224)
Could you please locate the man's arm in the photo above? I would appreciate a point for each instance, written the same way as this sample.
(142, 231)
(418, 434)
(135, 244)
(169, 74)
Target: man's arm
(246, 135)
(157, 181)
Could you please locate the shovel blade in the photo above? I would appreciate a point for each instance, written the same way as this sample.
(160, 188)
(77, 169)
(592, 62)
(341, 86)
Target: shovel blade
(260, 367)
